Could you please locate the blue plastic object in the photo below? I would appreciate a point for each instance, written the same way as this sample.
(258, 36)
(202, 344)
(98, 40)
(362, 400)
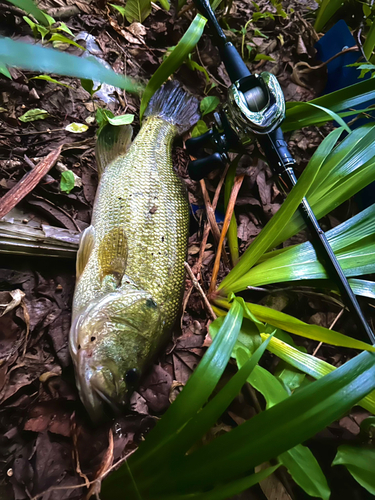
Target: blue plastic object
(339, 76)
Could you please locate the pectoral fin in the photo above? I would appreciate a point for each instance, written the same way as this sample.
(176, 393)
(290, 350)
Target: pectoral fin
(113, 253)
(86, 245)
(112, 142)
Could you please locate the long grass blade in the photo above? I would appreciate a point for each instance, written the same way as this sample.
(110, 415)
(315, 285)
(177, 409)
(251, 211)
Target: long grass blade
(269, 234)
(326, 10)
(35, 58)
(347, 170)
(355, 95)
(280, 428)
(293, 325)
(310, 365)
(352, 242)
(30, 7)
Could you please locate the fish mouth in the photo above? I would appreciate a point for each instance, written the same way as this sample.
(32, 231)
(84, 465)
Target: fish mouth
(97, 401)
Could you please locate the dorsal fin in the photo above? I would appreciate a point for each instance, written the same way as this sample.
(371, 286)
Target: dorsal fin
(111, 143)
(113, 252)
(86, 244)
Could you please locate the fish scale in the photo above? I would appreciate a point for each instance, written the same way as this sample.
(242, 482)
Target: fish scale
(131, 188)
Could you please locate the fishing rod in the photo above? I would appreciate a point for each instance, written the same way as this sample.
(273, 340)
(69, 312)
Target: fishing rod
(255, 107)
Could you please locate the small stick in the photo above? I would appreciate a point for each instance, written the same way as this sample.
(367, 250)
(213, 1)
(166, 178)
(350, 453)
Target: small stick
(228, 217)
(28, 182)
(206, 232)
(211, 217)
(199, 288)
(333, 324)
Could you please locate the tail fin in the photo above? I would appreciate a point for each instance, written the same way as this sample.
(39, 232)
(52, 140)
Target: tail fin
(175, 106)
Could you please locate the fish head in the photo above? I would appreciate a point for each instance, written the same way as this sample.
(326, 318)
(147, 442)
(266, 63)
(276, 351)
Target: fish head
(111, 343)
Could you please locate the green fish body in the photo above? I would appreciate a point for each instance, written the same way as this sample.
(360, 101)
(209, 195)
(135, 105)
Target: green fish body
(130, 263)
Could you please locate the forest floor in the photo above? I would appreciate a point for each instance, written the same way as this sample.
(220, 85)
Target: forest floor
(46, 439)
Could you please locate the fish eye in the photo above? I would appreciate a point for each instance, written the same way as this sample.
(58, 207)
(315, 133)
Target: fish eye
(132, 377)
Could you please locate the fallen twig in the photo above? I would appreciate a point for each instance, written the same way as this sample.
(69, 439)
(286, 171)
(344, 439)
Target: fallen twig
(212, 220)
(332, 325)
(228, 217)
(28, 183)
(200, 290)
(207, 226)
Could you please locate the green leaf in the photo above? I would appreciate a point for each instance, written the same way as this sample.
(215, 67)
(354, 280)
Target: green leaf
(298, 116)
(306, 472)
(227, 491)
(209, 104)
(137, 10)
(33, 115)
(165, 4)
(291, 377)
(347, 170)
(293, 325)
(195, 66)
(263, 57)
(326, 10)
(278, 429)
(88, 85)
(332, 114)
(363, 287)
(352, 242)
(56, 37)
(360, 462)
(30, 7)
(64, 27)
(173, 61)
(232, 231)
(119, 8)
(102, 117)
(263, 380)
(49, 79)
(67, 181)
(35, 58)
(4, 71)
(310, 365)
(199, 129)
(234, 280)
(369, 44)
(121, 120)
(76, 128)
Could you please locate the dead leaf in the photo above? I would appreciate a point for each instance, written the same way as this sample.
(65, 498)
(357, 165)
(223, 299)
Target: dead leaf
(272, 487)
(14, 300)
(49, 416)
(155, 389)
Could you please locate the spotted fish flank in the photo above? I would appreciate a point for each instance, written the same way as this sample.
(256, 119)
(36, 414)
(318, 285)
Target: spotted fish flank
(130, 270)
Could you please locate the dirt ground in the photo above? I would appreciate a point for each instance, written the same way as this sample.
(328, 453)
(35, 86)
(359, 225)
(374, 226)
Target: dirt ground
(46, 439)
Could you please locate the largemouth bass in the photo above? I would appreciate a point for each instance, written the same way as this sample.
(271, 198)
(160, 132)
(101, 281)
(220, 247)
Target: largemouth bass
(130, 262)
